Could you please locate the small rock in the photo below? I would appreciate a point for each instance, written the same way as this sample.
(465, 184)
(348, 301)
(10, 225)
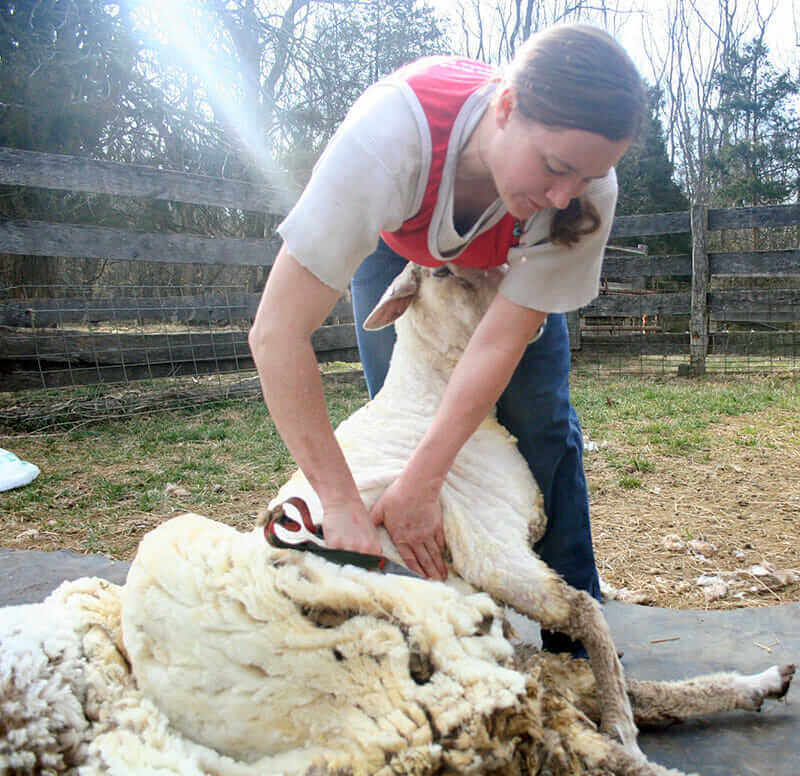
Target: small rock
(739, 555)
(673, 543)
(715, 592)
(700, 547)
(707, 580)
(772, 577)
(176, 490)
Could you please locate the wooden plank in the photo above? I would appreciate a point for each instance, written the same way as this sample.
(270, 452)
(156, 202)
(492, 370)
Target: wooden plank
(765, 217)
(628, 268)
(35, 360)
(778, 305)
(73, 347)
(656, 223)
(217, 309)
(26, 379)
(57, 171)
(21, 380)
(628, 345)
(759, 343)
(220, 308)
(698, 323)
(756, 343)
(336, 337)
(37, 238)
(636, 305)
(781, 263)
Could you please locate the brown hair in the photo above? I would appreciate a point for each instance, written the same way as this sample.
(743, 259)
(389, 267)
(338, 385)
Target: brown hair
(574, 76)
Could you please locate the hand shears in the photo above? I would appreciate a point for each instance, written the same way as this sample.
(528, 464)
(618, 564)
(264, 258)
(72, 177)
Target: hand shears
(292, 527)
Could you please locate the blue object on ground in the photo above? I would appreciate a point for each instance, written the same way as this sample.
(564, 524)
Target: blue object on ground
(15, 473)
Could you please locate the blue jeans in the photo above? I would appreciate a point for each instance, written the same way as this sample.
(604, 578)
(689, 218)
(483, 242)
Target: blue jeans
(535, 407)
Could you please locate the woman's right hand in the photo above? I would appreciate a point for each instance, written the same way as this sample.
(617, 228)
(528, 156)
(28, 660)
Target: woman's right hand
(348, 526)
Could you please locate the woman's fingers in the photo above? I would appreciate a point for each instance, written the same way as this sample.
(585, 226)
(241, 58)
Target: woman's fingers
(425, 559)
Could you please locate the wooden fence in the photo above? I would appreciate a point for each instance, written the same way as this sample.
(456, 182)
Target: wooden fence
(701, 303)
(38, 349)
(35, 354)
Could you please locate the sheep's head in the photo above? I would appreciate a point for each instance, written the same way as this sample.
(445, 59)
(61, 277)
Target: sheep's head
(441, 307)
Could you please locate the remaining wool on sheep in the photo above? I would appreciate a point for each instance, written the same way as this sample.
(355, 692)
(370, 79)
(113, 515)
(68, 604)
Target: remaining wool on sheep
(297, 666)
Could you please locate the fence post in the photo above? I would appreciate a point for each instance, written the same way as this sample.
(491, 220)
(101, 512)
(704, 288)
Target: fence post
(698, 323)
(574, 329)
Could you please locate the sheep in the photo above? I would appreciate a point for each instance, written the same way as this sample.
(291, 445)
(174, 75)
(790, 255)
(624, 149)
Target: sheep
(224, 655)
(489, 485)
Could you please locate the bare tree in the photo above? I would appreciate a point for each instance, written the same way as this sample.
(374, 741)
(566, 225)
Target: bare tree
(492, 30)
(688, 49)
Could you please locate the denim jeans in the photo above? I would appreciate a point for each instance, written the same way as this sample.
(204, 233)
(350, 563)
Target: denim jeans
(535, 407)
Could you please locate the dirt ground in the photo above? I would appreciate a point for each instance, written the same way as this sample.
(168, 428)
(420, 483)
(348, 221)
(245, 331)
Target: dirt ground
(713, 530)
(712, 534)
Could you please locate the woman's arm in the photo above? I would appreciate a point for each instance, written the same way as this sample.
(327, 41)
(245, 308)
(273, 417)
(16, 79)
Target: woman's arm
(293, 305)
(410, 507)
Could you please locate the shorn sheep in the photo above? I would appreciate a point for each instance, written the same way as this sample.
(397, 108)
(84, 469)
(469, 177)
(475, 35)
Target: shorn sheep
(224, 655)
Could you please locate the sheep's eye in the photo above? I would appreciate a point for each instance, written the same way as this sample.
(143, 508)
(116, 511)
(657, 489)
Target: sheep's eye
(442, 272)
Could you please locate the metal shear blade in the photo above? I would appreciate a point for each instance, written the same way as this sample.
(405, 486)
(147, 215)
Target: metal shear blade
(293, 528)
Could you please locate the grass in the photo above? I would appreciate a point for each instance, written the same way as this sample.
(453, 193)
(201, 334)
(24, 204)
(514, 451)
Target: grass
(673, 416)
(102, 486)
(99, 482)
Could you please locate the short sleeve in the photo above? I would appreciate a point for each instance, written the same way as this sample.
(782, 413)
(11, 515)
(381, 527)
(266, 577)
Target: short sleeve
(556, 278)
(364, 182)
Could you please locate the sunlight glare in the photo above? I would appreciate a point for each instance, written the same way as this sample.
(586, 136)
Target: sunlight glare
(192, 35)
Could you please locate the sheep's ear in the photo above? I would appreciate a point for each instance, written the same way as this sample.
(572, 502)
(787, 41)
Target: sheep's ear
(395, 300)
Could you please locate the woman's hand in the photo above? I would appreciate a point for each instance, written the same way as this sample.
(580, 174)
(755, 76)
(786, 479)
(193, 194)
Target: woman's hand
(413, 518)
(348, 526)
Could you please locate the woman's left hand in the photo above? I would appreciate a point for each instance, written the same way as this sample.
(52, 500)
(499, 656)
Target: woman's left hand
(413, 518)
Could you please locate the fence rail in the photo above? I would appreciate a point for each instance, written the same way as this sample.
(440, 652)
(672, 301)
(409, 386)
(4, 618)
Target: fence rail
(43, 342)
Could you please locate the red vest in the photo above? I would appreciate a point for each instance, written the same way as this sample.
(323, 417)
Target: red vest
(442, 86)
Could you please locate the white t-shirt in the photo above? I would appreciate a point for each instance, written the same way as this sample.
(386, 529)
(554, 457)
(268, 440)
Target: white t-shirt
(372, 177)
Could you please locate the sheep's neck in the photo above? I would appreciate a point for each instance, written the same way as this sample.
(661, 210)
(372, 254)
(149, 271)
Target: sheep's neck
(419, 370)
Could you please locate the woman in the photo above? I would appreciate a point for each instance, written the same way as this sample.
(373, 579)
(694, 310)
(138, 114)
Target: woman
(448, 161)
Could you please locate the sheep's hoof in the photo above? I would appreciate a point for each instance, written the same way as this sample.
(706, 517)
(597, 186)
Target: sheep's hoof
(786, 673)
(772, 683)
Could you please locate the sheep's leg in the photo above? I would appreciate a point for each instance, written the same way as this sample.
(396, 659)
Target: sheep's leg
(588, 624)
(660, 702)
(664, 702)
(526, 583)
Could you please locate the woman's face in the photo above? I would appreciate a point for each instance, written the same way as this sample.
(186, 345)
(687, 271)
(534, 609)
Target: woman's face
(536, 167)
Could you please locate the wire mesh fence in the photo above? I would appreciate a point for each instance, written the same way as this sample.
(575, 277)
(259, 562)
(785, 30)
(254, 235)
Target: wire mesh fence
(78, 354)
(72, 355)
